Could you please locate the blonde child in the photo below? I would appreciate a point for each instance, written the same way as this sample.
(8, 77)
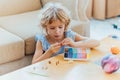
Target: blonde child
(55, 21)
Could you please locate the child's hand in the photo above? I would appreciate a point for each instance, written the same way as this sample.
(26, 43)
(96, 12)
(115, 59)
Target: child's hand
(68, 41)
(55, 47)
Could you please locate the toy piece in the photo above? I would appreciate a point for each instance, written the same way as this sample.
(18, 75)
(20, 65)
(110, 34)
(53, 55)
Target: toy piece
(110, 63)
(114, 36)
(49, 62)
(114, 26)
(57, 62)
(115, 50)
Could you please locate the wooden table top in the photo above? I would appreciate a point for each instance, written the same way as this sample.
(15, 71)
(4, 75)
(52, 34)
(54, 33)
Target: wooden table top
(68, 70)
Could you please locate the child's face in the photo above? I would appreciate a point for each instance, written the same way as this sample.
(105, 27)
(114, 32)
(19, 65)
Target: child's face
(56, 30)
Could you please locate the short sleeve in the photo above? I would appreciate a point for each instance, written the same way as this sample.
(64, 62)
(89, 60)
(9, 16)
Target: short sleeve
(41, 37)
(37, 37)
(71, 34)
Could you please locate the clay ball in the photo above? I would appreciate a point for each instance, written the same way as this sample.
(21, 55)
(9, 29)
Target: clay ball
(110, 63)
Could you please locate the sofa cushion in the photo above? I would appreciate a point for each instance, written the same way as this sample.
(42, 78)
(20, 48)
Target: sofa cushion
(8, 7)
(11, 47)
(23, 25)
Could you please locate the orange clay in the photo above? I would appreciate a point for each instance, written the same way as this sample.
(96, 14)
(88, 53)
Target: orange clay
(115, 50)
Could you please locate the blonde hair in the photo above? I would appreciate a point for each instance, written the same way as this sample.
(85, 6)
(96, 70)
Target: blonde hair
(52, 12)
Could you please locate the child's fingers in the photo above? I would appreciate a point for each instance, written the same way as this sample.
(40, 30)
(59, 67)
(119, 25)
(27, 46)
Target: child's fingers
(63, 42)
(66, 42)
(55, 48)
(57, 44)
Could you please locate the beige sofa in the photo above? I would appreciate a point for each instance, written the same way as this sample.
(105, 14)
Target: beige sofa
(103, 9)
(19, 24)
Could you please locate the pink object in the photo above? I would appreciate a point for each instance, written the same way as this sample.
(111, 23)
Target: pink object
(110, 63)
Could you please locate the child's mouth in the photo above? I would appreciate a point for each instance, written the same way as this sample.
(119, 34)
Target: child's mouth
(57, 36)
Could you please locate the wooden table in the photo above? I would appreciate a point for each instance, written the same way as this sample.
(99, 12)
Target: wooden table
(76, 70)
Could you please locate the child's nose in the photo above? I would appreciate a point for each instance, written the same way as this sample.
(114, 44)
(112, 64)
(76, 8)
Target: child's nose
(57, 30)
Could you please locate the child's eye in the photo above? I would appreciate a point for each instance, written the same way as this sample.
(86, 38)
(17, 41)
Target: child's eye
(52, 28)
(60, 27)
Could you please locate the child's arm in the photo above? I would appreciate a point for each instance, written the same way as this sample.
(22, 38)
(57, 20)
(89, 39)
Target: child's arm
(38, 52)
(39, 55)
(85, 42)
(81, 41)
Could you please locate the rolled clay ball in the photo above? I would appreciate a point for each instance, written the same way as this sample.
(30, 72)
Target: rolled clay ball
(110, 63)
(115, 50)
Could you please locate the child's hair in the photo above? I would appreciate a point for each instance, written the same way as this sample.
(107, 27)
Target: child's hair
(52, 12)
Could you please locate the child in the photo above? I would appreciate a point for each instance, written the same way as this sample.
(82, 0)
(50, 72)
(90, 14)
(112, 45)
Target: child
(55, 22)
